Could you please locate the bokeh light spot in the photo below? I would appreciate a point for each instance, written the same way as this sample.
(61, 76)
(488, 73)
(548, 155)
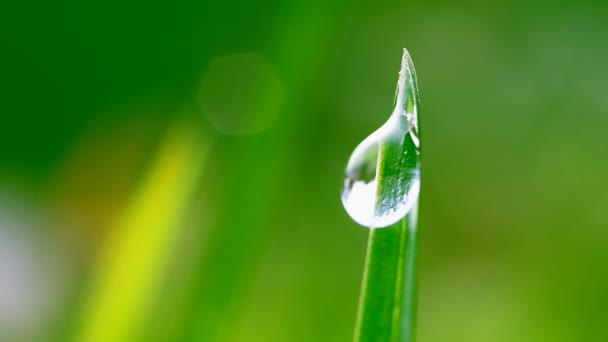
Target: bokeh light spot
(241, 94)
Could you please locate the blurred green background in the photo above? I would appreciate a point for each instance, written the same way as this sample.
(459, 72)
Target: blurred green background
(170, 171)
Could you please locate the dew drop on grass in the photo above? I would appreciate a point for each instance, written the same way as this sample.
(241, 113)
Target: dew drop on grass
(382, 180)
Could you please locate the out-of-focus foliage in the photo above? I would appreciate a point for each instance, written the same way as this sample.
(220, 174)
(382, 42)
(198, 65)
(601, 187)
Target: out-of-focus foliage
(243, 237)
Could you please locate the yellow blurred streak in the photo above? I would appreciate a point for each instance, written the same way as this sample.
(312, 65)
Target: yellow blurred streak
(134, 259)
(90, 186)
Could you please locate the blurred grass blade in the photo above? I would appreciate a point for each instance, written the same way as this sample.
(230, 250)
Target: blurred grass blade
(133, 260)
(235, 250)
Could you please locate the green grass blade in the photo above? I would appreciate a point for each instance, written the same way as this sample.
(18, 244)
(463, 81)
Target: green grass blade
(387, 305)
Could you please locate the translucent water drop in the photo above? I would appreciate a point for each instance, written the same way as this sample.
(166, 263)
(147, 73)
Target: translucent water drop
(382, 180)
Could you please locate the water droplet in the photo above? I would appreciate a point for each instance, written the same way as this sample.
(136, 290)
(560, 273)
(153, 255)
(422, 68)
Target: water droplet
(382, 180)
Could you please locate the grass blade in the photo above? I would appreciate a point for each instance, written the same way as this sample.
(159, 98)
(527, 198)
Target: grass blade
(387, 304)
(133, 261)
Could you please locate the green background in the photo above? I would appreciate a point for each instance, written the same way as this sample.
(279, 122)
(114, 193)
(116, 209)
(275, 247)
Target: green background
(514, 238)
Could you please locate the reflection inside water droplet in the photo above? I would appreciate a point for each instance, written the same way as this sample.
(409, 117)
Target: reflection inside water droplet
(382, 180)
